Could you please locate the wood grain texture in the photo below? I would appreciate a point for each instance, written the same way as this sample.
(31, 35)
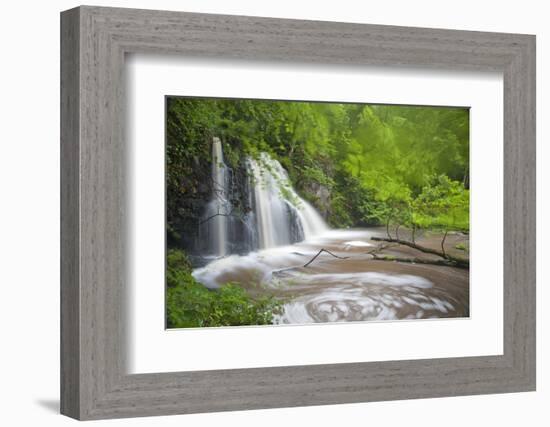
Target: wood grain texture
(70, 291)
(94, 235)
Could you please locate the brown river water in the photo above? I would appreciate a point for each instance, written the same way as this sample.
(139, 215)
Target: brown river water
(357, 288)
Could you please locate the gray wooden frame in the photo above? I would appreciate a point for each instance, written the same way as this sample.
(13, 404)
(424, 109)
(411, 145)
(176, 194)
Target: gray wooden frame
(94, 41)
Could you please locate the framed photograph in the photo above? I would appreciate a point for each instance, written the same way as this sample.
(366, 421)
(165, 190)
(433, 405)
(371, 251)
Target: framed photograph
(262, 213)
(286, 210)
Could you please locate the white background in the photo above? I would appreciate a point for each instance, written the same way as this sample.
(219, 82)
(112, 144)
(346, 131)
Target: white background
(29, 214)
(153, 349)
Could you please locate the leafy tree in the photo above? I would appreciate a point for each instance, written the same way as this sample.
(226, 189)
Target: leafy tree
(443, 205)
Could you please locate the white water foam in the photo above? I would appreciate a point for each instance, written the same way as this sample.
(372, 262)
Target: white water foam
(280, 212)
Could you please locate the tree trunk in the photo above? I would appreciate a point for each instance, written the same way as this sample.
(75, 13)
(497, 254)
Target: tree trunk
(458, 262)
(443, 262)
(443, 243)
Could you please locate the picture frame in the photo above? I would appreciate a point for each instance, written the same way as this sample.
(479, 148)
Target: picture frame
(94, 268)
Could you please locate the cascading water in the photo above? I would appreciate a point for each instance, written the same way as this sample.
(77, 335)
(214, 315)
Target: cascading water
(275, 216)
(282, 216)
(219, 207)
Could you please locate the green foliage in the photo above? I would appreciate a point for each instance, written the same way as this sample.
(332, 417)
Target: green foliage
(443, 204)
(377, 161)
(190, 304)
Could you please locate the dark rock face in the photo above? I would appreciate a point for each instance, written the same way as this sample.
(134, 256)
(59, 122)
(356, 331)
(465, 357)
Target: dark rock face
(296, 229)
(242, 229)
(190, 227)
(186, 200)
(321, 199)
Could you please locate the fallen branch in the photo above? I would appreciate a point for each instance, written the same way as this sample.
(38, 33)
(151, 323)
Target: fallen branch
(457, 262)
(443, 262)
(328, 252)
(380, 248)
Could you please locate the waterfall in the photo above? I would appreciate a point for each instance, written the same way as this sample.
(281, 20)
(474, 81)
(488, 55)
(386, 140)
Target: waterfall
(270, 212)
(219, 207)
(270, 209)
(282, 216)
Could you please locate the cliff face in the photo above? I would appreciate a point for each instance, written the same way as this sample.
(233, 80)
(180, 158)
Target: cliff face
(242, 234)
(189, 229)
(320, 196)
(186, 200)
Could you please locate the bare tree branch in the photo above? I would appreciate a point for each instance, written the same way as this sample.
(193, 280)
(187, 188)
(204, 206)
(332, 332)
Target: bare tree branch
(320, 252)
(231, 214)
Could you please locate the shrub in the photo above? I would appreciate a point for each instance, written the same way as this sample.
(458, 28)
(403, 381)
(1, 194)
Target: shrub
(190, 304)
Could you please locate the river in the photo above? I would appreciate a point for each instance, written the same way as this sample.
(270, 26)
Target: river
(356, 288)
